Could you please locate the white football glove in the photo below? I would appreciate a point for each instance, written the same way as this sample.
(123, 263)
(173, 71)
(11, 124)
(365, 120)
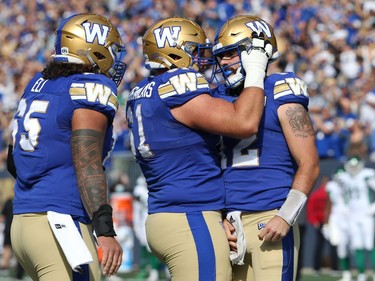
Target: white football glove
(236, 79)
(255, 61)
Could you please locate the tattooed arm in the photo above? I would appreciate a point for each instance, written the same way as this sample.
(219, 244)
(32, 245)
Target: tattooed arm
(88, 130)
(300, 136)
(86, 146)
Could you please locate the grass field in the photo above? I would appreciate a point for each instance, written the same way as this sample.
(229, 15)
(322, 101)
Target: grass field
(320, 277)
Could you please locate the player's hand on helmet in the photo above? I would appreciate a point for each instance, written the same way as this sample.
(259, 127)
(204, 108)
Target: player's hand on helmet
(255, 61)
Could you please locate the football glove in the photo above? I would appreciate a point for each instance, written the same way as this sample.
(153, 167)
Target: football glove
(255, 61)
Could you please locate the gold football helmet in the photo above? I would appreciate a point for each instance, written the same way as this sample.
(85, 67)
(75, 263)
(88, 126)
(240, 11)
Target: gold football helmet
(235, 36)
(176, 43)
(92, 40)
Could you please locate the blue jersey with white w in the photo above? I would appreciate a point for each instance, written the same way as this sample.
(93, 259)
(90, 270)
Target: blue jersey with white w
(46, 178)
(181, 165)
(258, 171)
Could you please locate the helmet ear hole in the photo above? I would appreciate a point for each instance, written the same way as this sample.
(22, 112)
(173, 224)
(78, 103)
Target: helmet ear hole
(175, 57)
(99, 56)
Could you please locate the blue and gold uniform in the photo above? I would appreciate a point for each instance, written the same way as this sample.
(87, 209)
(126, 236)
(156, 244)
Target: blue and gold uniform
(258, 174)
(46, 178)
(182, 169)
(250, 160)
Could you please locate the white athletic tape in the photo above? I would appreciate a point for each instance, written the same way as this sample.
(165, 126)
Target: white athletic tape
(292, 206)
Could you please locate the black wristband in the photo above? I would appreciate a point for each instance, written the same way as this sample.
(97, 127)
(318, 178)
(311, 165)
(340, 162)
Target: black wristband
(102, 221)
(11, 167)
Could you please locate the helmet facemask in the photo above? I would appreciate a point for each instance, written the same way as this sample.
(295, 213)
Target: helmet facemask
(200, 54)
(117, 71)
(233, 73)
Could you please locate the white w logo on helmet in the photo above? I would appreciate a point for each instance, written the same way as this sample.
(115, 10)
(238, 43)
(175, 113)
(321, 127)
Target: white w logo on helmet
(95, 30)
(162, 35)
(260, 26)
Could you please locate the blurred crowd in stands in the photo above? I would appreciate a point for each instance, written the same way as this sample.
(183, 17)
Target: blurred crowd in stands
(330, 44)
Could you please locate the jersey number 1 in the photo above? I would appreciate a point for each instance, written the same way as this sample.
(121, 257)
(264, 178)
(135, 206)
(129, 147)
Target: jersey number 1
(143, 147)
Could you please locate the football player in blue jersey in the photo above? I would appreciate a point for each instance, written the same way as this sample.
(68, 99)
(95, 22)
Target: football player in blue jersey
(269, 175)
(175, 125)
(61, 136)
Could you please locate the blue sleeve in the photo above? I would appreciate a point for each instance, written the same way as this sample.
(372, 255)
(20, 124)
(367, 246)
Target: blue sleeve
(288, 88)
(96, 92)
(181, 85)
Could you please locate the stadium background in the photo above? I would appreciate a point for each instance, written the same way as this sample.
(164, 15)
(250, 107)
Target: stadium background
(330, 44)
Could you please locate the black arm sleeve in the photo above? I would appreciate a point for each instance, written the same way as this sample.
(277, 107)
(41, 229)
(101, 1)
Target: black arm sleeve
(10, 162)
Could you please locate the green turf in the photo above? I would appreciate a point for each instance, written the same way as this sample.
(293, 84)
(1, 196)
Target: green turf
(320, 277)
